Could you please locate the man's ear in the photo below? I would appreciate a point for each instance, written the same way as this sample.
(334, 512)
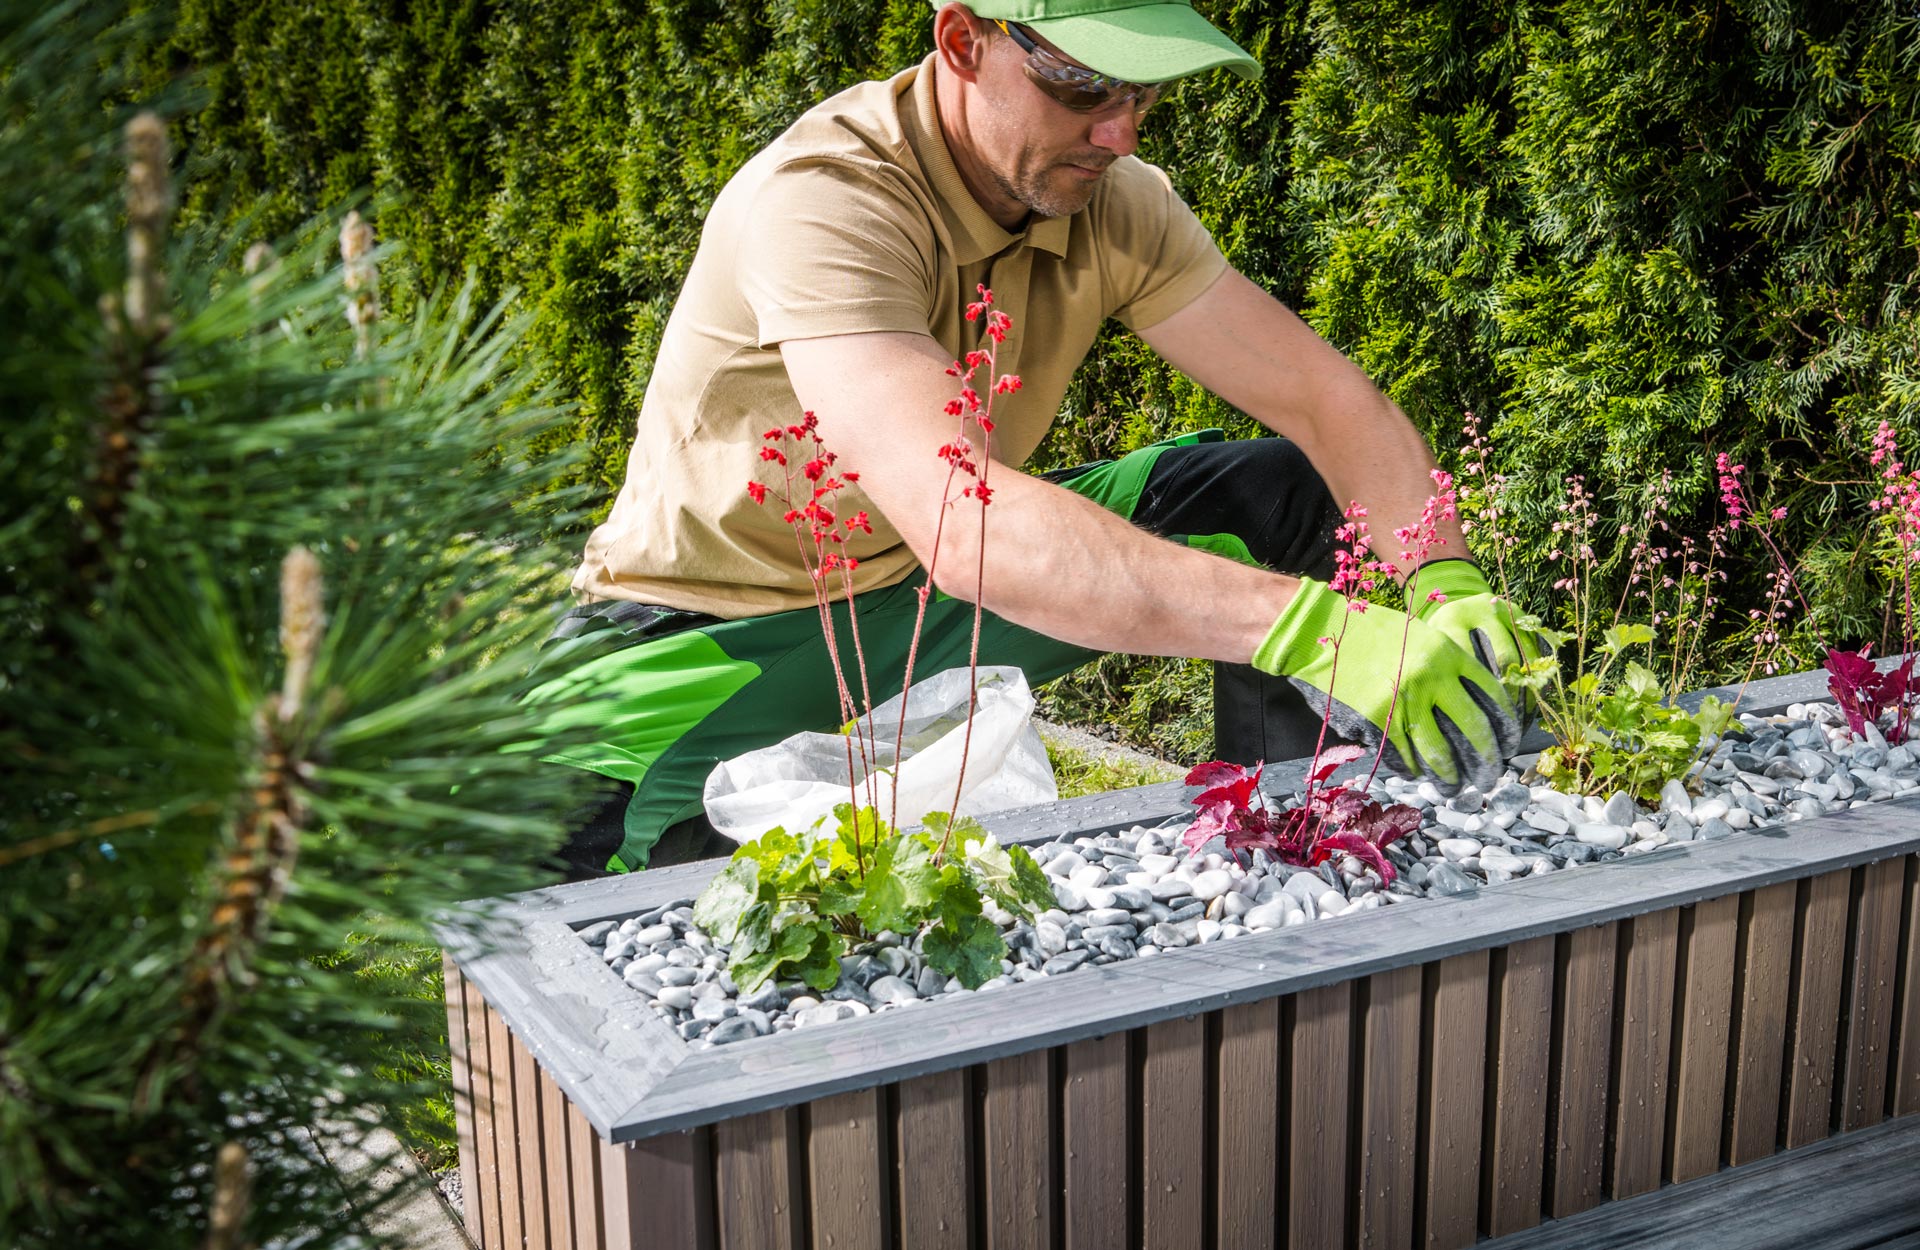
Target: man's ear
(961, 40)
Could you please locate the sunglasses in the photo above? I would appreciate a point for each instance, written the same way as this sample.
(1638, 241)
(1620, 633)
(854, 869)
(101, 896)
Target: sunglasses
(1081, 89)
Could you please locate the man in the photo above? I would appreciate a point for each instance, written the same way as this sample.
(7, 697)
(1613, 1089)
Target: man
(833, 276)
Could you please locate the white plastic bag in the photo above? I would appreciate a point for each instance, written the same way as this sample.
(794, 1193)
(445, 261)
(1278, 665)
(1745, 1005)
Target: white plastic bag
(794, 783)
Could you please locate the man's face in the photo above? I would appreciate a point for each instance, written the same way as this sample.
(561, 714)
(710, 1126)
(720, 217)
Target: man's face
(1038, 151)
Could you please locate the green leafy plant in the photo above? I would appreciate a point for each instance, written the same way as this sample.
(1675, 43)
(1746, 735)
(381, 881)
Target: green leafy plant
(1622, 734)
(1615, 723)
(791, 906)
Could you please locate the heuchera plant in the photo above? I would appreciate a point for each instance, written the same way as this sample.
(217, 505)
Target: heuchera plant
(1615, 724)
(1329, 820)
(791, 906)
(1332, 820)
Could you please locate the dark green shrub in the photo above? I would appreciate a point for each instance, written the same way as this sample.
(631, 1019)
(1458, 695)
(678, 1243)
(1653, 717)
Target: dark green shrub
(1627, 235)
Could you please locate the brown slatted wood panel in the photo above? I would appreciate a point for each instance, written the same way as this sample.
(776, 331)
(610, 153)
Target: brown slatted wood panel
(1318, 1076)
(1710, 935)
(1584, 1037)
(847, 1199)
(757, 1182)
(1871, 997)
(530, 1134)
(1173, 1090)
(486, 1181)
(559, 1165)
(665, 1191)
(1094, 1106)
(589, 1207)
(1645, 1027)
(1017, 1152)
(1455, 1052)
(1389, 1109)
(1249, 1101)
(933, 1155)
(1822, 950)
(1516, 1118)
(506, 1137)
(461, 1067)
(1904, 1094)
(1766, 974)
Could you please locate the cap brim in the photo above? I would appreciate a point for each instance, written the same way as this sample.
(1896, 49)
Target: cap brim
(1146, 43)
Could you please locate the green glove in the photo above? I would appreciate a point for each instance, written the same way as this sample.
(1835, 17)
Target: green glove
(1475, 619)
(1450, 720)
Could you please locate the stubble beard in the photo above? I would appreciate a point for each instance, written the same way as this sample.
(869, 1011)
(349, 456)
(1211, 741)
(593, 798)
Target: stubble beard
(1031, 189)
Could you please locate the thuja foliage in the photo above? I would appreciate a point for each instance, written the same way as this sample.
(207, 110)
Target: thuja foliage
(269, 559)
(1628, 235)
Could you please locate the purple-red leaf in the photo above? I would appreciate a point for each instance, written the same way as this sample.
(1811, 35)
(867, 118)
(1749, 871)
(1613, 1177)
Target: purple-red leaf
(1383, 826)
(1215, 772)
(1357, 846)
(1863, 692)
(1330, 759)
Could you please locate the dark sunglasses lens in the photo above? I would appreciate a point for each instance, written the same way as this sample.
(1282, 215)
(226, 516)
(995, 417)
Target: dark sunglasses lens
(1085, 98)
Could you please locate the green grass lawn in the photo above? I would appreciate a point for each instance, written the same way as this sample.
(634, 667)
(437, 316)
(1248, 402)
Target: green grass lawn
(1083, 772)
(406, 976)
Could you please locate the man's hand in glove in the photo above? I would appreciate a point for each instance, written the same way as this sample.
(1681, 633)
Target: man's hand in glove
(1476, 620)
(1451, 720)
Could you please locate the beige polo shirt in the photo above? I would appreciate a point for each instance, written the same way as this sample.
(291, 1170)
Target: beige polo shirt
(855, 220)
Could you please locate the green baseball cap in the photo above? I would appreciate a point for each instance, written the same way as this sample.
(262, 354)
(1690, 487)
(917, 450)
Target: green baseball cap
(1140, 42)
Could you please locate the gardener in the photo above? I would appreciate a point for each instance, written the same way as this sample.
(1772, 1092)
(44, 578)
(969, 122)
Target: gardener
(833, 275)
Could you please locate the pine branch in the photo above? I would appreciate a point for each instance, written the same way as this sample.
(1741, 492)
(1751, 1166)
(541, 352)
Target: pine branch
(136, 329)
(232, 1198)
(264, 842)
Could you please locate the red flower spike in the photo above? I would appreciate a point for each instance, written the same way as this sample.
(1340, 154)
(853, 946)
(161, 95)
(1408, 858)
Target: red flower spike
(953, 407)
(986, 423)
(851, 476)
(773, 434)
(757, 491)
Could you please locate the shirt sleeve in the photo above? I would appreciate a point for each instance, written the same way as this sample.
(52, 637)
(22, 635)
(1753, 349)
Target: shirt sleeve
(1156, 257)
(835, 246)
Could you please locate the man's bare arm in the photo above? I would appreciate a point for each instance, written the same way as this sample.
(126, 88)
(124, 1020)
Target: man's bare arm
(1247, 348)
(1054, 562)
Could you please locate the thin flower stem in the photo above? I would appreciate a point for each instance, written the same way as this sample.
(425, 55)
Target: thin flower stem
(979, 593)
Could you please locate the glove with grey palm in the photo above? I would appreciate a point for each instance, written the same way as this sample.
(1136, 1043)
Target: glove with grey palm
(1450, 719)
(1479, 622)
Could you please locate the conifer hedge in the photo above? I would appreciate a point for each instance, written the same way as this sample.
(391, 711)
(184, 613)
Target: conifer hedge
(1627, 233)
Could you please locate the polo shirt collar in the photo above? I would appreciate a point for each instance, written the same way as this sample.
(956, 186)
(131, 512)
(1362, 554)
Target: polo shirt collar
(976, 236)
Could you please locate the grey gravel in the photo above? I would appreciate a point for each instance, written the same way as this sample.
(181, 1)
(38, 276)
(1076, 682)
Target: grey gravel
(1137, 894)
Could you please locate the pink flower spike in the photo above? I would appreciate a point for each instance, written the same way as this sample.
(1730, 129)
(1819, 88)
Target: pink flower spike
(1436, 596)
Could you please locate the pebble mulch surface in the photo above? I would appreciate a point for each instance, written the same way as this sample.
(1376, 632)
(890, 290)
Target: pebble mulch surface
(1138, 895)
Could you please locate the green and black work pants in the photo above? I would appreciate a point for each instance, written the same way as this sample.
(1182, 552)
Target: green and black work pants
(669, 693)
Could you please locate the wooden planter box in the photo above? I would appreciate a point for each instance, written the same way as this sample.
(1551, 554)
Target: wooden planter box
(1422, 1074)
